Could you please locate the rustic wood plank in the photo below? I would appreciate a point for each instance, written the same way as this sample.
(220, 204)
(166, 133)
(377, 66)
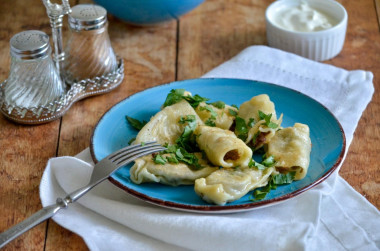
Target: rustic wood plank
(216, 31)
(362, 51)
(149, 56)
(24, 149)
(377, 5)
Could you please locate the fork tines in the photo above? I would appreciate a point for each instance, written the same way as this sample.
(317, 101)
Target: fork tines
(130, 153)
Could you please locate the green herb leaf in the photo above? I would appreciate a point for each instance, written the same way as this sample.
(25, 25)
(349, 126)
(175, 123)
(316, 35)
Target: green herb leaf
(267, 118)
(251, 122)
(211, 120)
(195, 100)
(269, 162)
(209, 109)
(232, 112)
(187, 118)
(159, 159)
(135, 123)
(235, 106)
(172, 159)
(253, 163)
(174, 96)
(274, 181)
(219, 104)
(188, 158)
(241, 129)
(281, 179)
(170, 148)
(186, 140)
(260, 194)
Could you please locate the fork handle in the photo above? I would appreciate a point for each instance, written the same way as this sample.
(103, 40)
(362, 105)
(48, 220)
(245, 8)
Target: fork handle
(42, 215)
(35, 219)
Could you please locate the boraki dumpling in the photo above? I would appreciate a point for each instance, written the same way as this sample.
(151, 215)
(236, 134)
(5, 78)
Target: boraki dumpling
(260, 133)
(291, 149)
(164, 127)
(222, 147)
(227, 184)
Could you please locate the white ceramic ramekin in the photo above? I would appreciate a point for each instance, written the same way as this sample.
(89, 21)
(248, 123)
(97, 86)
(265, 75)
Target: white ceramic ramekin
(317, 45)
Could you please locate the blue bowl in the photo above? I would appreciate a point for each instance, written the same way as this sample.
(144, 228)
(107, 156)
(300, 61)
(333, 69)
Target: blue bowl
(148, 12)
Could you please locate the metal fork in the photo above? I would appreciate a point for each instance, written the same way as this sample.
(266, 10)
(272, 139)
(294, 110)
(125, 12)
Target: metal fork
(102, 170)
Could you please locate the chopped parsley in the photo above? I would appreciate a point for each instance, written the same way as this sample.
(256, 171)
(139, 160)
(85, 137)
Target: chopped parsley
(211, 120)
(179, 154)
(232, 112)
(176, 95)
(172, 159)
(241, 129)
(251, 122)
(195, 100)
(267, 118)
(159, 159)
(274, 181)
(186, 140)
(135, 123)
(267, 162)
(219, 104)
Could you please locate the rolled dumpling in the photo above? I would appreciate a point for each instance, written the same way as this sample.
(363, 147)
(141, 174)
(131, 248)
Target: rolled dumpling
(222, 147)
(164, 127)
(262, 130)
(291, 149)
(227, 184)
(145, 170)
(250, 109)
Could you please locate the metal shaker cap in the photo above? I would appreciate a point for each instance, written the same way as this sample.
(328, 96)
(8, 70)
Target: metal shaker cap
(87, 17)
(31, 44)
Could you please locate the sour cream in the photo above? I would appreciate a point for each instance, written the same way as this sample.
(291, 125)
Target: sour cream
(303, 18)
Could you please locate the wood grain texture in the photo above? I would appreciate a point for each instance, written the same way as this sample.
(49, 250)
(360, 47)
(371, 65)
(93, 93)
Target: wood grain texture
(362, 51)
(201, 40)
(24, 149)
(217, 31)
(377, 5)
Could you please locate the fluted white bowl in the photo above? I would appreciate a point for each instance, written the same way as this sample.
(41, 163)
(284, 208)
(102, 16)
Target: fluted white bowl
(316, 45)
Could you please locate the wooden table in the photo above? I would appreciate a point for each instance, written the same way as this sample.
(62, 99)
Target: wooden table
(183, 49)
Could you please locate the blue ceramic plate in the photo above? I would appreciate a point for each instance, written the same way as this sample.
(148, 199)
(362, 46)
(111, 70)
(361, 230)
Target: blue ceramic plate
(328, 141)
(148, 12)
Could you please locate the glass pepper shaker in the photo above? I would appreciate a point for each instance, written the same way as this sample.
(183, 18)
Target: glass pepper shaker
(33, 80)
(88, 53)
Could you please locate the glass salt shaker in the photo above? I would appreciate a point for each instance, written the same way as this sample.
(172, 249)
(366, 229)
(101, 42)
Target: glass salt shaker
(33, 80)
(88, 53)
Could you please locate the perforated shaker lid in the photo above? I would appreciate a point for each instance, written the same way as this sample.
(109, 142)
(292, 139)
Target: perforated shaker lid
(87, 17)
(30, 44)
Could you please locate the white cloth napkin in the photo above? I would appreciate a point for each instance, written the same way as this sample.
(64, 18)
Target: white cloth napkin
(331, 216)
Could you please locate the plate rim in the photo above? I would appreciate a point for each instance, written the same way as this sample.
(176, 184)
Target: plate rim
(226, 208)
